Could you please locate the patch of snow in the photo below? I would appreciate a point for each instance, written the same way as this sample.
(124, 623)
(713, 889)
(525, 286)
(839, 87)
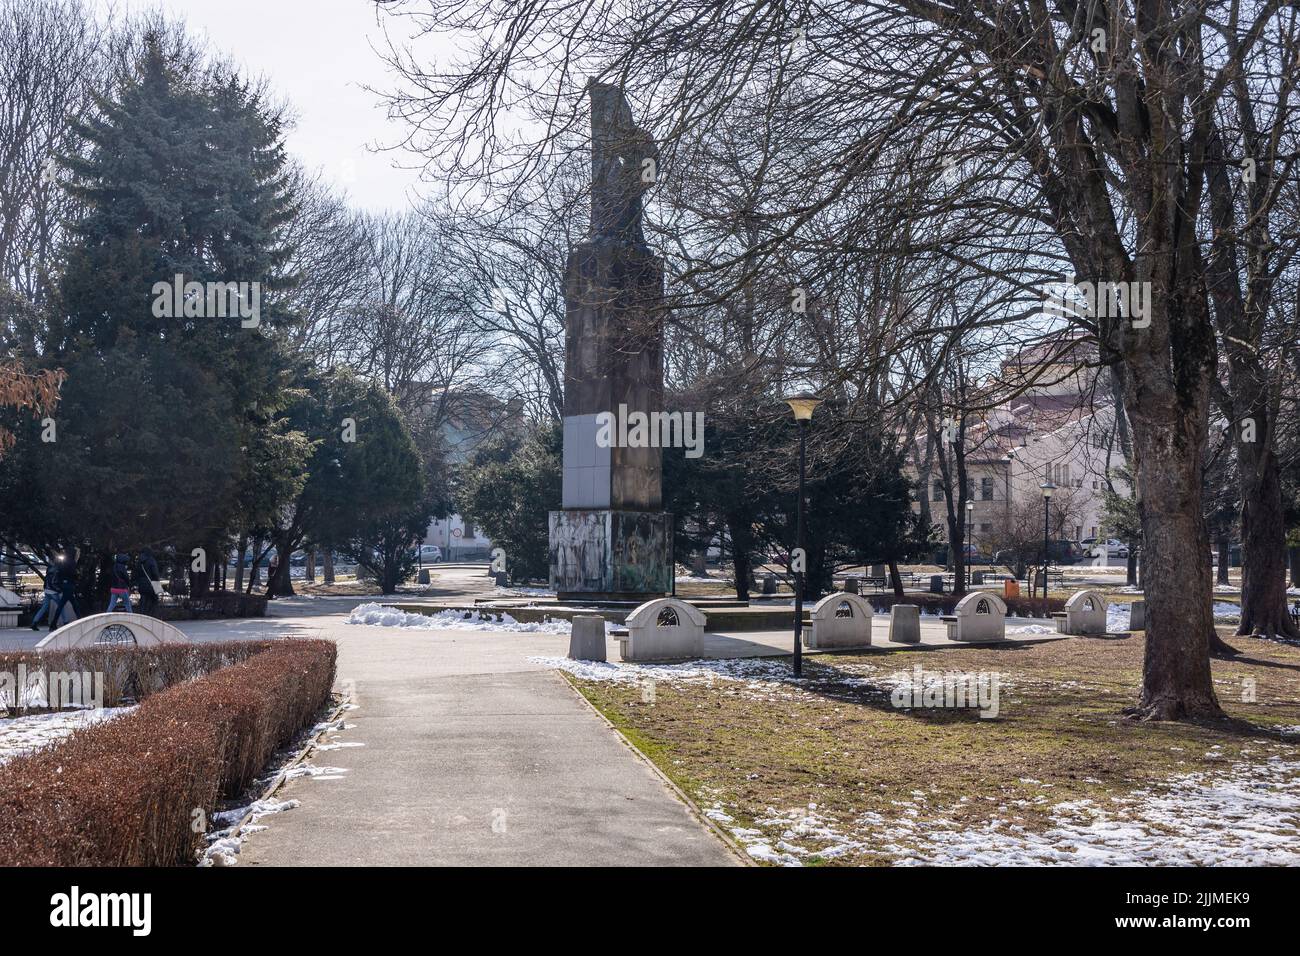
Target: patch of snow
(1248, 815)
(379, 615)
(1032, 629)
(20, 735)
(224, 845)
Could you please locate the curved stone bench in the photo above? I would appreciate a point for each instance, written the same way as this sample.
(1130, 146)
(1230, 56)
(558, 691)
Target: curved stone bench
(664, 629)
(10, 605)
(115, 627)
(1085, 613)
(841, 619)
(979, 616)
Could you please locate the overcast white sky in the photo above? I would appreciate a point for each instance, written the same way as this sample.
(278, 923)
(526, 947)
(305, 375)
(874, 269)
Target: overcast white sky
(318, 56)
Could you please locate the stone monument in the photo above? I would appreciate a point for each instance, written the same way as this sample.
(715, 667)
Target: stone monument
(611, 541)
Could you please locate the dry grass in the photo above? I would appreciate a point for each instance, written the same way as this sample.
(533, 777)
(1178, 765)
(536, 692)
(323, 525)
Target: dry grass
(839, 742)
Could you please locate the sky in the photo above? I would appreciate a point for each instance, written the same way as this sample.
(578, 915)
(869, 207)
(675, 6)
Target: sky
(318, 56)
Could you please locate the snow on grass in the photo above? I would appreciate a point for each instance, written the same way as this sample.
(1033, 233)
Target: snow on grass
(1118, 617)
(379, 615)
(1226, 612)
(1247, 815)
(20, 735)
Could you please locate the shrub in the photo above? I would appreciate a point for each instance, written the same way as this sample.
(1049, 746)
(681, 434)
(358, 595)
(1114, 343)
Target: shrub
(124, 792)
(134, 672)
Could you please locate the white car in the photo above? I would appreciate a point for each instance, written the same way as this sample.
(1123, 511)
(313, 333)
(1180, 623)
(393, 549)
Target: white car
(428, 554)
(1114, 548)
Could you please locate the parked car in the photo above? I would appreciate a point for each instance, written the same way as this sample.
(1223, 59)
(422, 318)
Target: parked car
(427, 554)
(1114, 547)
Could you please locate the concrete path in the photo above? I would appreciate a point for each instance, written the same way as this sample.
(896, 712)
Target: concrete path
(471, 756)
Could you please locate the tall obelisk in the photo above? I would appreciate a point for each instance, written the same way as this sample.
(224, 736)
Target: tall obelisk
(611, 541)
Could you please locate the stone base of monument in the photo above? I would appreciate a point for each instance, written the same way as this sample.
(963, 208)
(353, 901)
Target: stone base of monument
(587, 639)
(601, 555)
(905, 624)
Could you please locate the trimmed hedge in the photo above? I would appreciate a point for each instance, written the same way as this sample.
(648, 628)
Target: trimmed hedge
(135, 672)
(124, 792)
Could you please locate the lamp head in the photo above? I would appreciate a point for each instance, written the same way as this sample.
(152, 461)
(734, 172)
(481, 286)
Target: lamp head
(1047, 488)
(803, 405)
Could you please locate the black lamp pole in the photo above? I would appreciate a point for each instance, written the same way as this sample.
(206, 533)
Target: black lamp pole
(1047, 508)
(803, 554)
(803, 405)
(1047, 488)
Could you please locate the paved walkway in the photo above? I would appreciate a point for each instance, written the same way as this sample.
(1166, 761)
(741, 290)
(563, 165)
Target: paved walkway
(471, 755)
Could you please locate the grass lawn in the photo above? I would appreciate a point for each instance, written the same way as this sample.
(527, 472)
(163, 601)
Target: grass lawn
(830, 772)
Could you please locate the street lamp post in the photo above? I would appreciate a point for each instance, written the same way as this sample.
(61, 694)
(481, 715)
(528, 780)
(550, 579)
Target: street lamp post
(1046, 488)
(803, 405)
(970, 540)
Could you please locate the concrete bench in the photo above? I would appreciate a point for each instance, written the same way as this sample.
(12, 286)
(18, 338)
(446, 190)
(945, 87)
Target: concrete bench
(979, 616)
(114, 628)
(1085, 613)
(664, 629)
(841, 619)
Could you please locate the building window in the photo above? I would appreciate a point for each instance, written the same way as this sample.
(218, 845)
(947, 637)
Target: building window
(986, 489)
(985, 528)
(937, 494)
(469, 529)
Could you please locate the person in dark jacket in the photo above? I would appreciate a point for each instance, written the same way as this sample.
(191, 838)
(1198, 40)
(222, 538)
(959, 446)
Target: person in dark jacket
(51, 596)
(67, 588)
(146, 576)
(120, 583)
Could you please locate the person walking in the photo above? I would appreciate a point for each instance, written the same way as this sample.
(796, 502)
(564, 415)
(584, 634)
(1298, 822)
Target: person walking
(146, 582)
(51, 595)
(67, 589)
(272, 572)
(120, 583)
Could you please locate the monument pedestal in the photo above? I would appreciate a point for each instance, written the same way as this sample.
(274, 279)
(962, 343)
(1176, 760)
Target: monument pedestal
(606, 555)
(611, 541)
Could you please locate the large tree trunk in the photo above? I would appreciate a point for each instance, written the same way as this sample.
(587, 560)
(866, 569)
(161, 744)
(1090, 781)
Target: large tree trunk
(309, 572)
(1263, 544)
(896, 579)
(329, 567)
(282, 585)
(1225, 546)
(1295, 566)
(1168, 419)
(741, 568)
(1131, 570)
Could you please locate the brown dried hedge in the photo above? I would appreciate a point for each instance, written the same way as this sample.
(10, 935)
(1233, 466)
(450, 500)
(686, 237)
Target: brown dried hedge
(134, 672)
(125, 792)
